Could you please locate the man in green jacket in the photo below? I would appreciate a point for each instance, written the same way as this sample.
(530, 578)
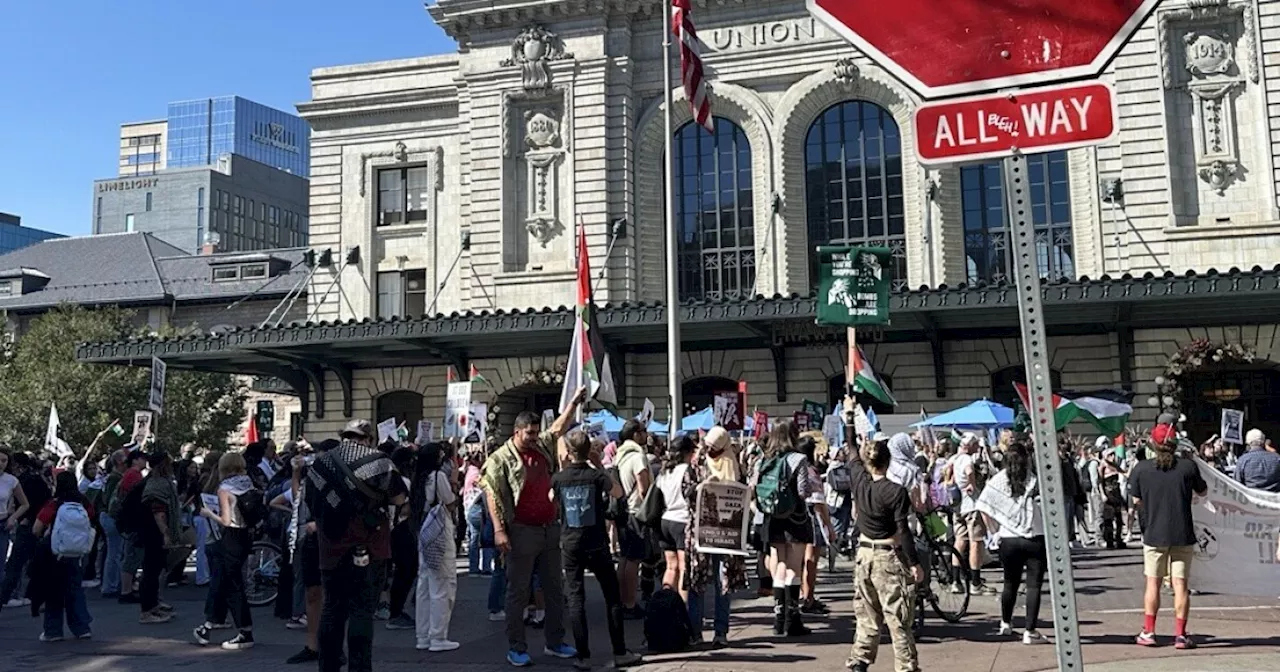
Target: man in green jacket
(517, 478)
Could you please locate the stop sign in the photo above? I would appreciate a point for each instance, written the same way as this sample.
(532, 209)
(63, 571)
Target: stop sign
(944, 48)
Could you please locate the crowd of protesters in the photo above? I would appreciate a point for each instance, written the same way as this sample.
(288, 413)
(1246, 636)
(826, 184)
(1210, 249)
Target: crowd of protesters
(367, 528)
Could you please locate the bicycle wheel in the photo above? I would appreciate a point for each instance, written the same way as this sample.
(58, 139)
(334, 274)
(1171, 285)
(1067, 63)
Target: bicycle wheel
(948, 594)
(262, 574)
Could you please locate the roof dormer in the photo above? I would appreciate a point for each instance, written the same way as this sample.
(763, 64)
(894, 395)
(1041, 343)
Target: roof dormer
(20, 281)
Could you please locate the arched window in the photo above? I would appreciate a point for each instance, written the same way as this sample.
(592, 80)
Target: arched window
(713, 211)
(700, 393)
(837, 388)
(1002, 391)
(853, 183)
(404, 406)
(986, 232)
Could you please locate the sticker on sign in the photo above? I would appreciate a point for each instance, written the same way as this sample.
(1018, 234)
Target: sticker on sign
(1028, 121)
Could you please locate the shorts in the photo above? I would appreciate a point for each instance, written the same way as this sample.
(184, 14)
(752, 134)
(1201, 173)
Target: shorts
(789, 530)
(631, 541)
(970, 526)
(133, 552)
(309, 561)
(819, 533)
(1173, 561)
(671, 535)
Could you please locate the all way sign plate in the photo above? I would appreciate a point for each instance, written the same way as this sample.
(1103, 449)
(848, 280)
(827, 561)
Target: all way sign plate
(1028, 121)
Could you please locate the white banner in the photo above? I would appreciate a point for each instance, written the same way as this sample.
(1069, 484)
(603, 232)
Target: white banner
(721, 522)
(456, 405)
(1236, 529)
(426, 432)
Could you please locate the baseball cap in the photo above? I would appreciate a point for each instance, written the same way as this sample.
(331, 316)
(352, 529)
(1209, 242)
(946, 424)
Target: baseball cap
(1164, 434)
(357, 429)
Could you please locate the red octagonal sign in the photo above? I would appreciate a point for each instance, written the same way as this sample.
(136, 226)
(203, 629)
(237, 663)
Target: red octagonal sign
(944, 48)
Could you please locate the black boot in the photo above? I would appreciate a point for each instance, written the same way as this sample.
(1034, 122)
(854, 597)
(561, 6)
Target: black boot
(779, 610)
(795, 626)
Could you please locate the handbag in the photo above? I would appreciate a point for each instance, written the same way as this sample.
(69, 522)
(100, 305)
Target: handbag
(652, 508)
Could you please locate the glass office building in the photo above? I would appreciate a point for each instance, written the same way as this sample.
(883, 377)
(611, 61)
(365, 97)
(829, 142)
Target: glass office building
(14, 236)
(202, 130)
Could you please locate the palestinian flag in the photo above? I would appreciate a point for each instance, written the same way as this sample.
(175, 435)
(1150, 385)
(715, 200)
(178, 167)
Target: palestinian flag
(475, 377)
(115, 428)
(588, 364)
(451, 375)
(865, 379)
(1108, 410)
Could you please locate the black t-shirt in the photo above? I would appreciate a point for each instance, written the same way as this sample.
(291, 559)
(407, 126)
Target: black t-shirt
(1166, 501)
(581, 491)
(883, 508)
(37, 492)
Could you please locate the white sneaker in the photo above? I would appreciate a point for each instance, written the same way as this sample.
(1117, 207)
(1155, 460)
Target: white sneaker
(442, 645)
(497, 617)
(1006, 630)
(15, 603)
(92, 583)
(1031, 637)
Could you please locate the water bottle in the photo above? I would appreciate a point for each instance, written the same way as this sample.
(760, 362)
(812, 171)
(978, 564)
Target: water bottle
(361, 557)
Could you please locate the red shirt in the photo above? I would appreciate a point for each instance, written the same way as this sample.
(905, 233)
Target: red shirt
(535, 507)
(49, 512)
(127, 482)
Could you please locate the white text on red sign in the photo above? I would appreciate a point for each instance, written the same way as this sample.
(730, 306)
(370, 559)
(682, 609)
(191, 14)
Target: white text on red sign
(1028, 121)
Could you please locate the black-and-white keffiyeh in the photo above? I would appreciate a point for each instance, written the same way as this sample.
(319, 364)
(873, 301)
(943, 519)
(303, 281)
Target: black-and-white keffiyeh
(333, 497)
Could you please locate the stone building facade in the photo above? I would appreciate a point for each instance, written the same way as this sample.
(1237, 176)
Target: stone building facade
(461, 178)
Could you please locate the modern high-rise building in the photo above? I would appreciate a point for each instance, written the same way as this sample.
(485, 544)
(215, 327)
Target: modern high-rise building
(223, 170)
(142, 146)
(202, 130)
(13, 235)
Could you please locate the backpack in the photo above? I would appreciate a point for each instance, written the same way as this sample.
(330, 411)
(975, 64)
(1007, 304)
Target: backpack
(666, 622)
(840, 478)
(72, 532)
(776, 494)
(252, 507)
(616, 509)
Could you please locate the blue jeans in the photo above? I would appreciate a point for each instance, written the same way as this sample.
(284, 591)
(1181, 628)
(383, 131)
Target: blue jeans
(478, 559)
(722, 601)
(115, 556)
(24, 548)
(498, 588)
(70, 603)
(202, 553)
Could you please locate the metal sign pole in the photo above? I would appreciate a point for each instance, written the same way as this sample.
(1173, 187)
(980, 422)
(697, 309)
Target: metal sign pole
(1035, 353)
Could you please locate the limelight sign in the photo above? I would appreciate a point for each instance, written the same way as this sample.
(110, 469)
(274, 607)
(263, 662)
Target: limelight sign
(273, 135)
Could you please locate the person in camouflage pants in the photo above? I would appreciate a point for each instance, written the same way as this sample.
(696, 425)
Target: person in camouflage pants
(884, 594)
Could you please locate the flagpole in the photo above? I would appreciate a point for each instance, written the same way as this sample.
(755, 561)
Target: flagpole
(673, 289)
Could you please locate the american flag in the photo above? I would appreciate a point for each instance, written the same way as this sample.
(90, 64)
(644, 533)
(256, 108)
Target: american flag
(695, 85)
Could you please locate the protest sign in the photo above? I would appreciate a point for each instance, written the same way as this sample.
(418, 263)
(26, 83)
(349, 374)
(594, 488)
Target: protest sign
(1232, 426)
(477, 428)
(646, 415)
(727, 411)
(156, 398)
(853, 285)
(801, 420)
(210, 501)
(721, 522)
(386, 430)
(426, 431)
(457, 404)
(1235, 538)
(141, 426)
(760, 424)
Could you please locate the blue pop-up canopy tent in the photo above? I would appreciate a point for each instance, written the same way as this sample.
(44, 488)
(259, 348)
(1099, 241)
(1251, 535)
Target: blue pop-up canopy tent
(613, 423)
(981, 414)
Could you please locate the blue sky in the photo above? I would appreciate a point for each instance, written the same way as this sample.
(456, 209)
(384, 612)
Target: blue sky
(71, 71)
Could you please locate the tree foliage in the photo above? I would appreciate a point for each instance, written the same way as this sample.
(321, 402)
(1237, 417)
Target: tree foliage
(41, 368)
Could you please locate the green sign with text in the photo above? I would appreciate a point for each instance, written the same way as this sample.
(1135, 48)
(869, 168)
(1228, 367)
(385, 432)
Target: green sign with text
(853, 285)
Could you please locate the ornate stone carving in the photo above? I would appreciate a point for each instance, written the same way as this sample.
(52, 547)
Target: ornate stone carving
(517, 100)
(400, 153)
(531, 50)
(541, 130)
(1208, 12)
(544, 194)
(1209, 52)
(1219, 175)
(845, 71)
